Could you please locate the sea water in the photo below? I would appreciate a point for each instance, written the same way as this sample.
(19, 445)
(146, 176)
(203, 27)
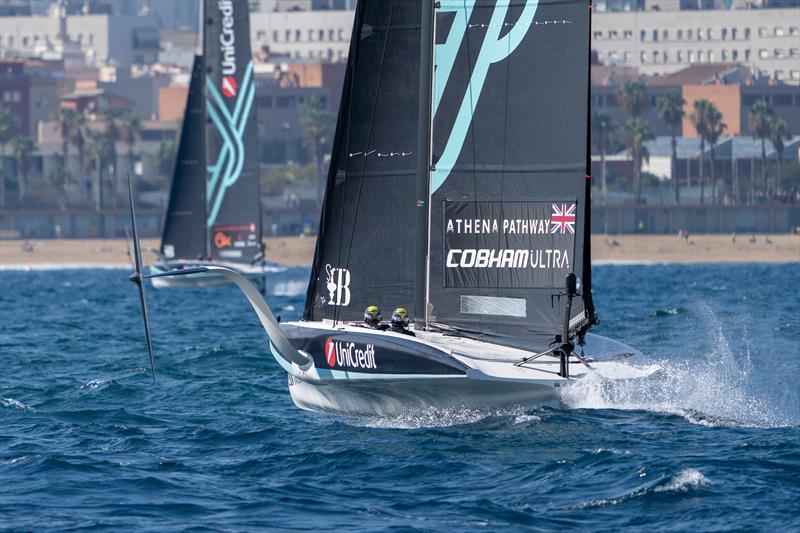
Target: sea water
(709, 441)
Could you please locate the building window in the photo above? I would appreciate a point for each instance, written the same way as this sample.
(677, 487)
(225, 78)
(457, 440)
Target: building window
(261, 35)
(627, 34)
(680, 56)
(747, 55)
(91, 39)
(793, 31)
(778, 52)
(288, 35)
(12, 96)
(794, 52)
(642, 35)
(310, 35)
(275, 36)
(710, 56)
(665, 56)
(724, 33)
(700, 34)
(710, 34)
(778, 76)
(733, 34)
(735, 55)
(628, 57)
(763, 54)
(321, 35)
(782, 100)
(643, 57)
(747, 33)
(699, 56)
(724, 55)
(691, 56)
(665, 34)
(680, 34)
(796, 76)
(598, 35)
(763, 32)
(689, 34)
(612, 34)
(778, 31)
(655, 35)
(331, 35)
(298, 35)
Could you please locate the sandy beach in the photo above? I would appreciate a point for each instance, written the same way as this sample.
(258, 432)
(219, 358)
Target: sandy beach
(299, 251)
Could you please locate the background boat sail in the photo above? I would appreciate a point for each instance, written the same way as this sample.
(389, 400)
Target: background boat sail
(457, 189)
(214, 212)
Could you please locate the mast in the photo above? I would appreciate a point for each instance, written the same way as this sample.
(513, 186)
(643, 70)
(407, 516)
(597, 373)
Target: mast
(427, 38)
(586, 285)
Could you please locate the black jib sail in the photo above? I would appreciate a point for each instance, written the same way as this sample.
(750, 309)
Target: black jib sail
(184, 233)
(501, 119)
(233, 217)
(366, 247)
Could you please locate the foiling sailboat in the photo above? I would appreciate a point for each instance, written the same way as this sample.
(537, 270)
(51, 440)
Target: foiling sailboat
(214, 210)
(457, 189)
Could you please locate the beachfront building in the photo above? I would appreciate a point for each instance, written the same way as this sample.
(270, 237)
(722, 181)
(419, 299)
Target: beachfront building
(664, 41)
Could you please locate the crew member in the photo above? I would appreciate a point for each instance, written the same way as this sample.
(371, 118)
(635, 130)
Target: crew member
(400, 322)
(372, 318)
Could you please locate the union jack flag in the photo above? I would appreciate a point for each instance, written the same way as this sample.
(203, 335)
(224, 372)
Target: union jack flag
(563, 219)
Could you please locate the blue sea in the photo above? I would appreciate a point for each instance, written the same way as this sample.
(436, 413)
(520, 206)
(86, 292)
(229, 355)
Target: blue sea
(709, 442)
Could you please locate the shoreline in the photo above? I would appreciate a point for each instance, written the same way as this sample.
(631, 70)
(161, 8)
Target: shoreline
(51, 254)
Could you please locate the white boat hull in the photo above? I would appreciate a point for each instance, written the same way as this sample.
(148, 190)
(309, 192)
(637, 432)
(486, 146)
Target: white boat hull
(253, 273)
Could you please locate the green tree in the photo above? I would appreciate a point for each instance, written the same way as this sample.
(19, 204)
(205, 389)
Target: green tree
(635, 133)
(318, 125)
(113, 118)
(131, 132)
(6, 127)
(601, 127)
(670, 109)
(714, 129)
(633, 97)
(59, 179)
(165, 159)
(702, 119)
(778, 134)
(759, 120)
(98, 154)
(23, 149)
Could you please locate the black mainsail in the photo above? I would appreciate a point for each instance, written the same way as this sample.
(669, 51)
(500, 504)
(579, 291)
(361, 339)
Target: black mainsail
(490, 142)
(184, 234)
(215, 191)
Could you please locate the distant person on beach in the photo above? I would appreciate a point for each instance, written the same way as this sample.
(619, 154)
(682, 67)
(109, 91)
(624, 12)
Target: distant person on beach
(733, 239)
(753, 238)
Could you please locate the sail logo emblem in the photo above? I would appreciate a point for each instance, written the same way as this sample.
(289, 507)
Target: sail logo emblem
(230, 125)
(349, 354)
(229, 87)
(338, 285)
(221, 240)
(493, 50)
(563, 219)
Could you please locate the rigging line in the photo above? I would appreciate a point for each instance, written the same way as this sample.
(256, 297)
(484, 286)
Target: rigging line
(505, 151)
(369, 139)
(354, 49)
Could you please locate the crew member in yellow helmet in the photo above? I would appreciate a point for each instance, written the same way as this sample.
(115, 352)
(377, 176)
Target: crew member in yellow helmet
(400, 322)
(372, 318)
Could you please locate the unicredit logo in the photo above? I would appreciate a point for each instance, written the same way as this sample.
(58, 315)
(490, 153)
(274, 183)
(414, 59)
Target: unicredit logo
(349, 354)
(227, 39)
(229, 86)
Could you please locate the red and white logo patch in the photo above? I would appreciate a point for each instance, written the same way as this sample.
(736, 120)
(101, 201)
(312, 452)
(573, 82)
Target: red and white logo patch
(330, 352)
(229, 86)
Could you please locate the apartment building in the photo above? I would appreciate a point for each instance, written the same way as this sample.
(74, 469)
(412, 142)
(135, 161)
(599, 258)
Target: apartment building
(660, 42)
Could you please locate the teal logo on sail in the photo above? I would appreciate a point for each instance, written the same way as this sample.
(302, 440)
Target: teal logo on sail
(493, 50)
(227, 169)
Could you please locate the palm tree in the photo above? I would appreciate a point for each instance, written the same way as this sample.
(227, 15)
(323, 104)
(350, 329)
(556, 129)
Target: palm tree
(165, 158)
(98, 152)
(759, 118)
(131, 131)
(601, 126)
(777, 134)
(23, 148)
(714, 129)
(700, 117)
(633, 96)
(66, 118)
(318, 126)
(6, 125)
(670, 109)
(636, 132)
(59, 179)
